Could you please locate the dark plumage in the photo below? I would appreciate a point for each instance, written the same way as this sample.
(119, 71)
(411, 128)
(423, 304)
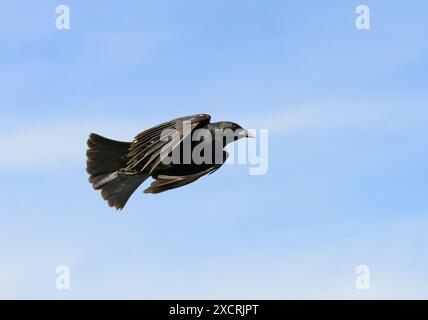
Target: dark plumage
(118, 168)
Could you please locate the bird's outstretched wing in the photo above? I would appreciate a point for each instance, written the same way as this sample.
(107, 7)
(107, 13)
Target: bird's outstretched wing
(164, 182)
(146, 151)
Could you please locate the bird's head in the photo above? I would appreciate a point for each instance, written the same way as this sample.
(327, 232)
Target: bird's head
(231, 131)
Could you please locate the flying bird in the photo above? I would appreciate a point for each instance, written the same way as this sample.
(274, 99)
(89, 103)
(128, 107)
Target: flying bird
(118, 168)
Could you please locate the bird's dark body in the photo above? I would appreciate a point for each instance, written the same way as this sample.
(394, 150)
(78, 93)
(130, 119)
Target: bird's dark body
(118, 168)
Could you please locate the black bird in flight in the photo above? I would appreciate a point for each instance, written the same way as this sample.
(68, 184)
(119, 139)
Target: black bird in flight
(118, 168)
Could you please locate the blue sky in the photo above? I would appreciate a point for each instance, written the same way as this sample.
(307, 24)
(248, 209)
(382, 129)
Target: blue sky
(347, 116)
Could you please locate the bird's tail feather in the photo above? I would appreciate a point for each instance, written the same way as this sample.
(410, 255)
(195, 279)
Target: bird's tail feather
(105, 155)
(119, 188)
(105, 158)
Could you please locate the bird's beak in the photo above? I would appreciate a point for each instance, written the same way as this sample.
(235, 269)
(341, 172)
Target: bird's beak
(245, 134)
(250, 135)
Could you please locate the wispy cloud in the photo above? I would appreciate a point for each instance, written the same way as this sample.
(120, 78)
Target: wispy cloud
(37, 147)
(348, 116)
(31, 147)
